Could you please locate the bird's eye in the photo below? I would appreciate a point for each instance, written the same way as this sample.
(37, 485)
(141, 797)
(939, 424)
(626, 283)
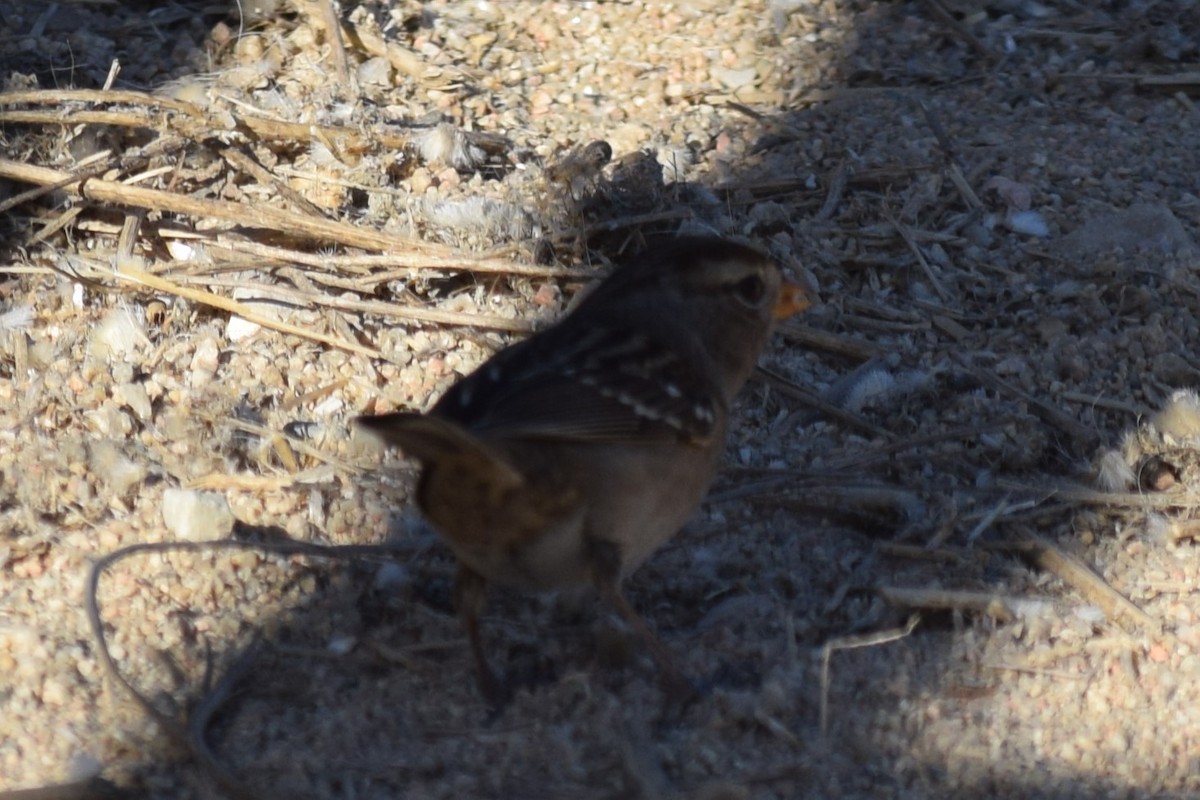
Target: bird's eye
(750, 290)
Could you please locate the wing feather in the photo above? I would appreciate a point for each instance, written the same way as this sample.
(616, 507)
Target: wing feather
(609, 383)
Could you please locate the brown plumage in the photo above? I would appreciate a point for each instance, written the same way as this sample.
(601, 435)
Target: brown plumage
(568, 458)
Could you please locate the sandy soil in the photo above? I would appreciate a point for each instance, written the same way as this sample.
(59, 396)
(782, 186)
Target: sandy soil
(952, 551)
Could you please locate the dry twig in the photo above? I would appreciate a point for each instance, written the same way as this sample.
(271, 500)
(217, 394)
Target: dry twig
(947, 18)
(1083, 579)
(851, 643)
(999, 607)
(262, 217)
(791, 390)
(1046, 412)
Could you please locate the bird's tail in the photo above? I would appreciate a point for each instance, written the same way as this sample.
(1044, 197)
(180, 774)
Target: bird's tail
(432, 440)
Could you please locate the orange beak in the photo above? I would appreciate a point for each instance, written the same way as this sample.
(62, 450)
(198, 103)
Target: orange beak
(792, 300)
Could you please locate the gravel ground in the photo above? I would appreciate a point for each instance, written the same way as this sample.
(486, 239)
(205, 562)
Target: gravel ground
(952, 551)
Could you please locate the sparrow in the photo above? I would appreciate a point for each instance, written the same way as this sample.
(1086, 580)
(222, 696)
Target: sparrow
(569, 457)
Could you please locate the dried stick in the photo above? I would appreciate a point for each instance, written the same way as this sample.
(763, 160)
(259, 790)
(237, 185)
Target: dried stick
(192, 120)
(1083, 579)
(837, 187)
(263, 217)
(907, 236)
(86, 789)
(396, 261)
(158, 284)
(795, 392)
(999, 607)
(943, 15)
(810, 338)
(379, 307)
(1044, 411)
(850, 643)
(241, 161)
(333, 31)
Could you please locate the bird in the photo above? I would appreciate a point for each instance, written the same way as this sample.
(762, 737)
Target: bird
(568, 458)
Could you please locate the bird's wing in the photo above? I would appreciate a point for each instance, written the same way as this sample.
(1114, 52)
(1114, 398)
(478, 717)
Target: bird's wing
(601, 383)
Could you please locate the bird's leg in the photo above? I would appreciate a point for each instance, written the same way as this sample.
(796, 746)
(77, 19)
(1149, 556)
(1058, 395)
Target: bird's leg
(606, 565)
(470, 595)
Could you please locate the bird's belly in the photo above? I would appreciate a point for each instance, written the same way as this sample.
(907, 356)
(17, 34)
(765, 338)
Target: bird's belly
(553, 559)
(541, 533)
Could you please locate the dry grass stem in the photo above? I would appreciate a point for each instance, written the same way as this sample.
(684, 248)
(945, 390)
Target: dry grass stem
(853, 643)
(261, 217)
(999, 607)
(1083, 579)
(150, 281)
